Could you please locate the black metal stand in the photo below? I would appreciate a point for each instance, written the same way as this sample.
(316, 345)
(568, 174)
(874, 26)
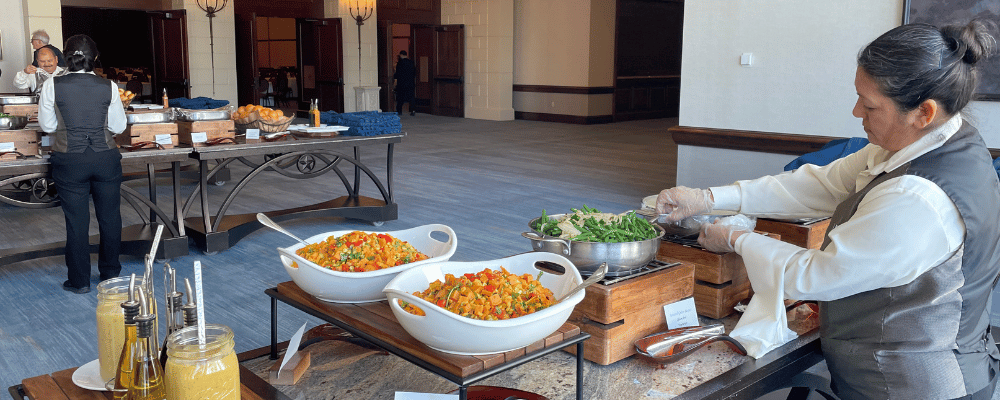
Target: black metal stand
(462, 381)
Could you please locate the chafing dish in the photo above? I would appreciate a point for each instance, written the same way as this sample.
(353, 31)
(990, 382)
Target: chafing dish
(150, 117)
(204, 115)
(18, 99)
(13, 122)
(622, 258)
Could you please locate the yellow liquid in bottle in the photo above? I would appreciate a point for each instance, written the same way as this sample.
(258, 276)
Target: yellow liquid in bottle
(110, 334)
(147, 377)
(124, 376)
(214, 379)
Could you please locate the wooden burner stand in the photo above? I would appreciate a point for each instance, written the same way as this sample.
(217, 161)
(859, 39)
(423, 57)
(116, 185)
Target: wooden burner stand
(617, 314)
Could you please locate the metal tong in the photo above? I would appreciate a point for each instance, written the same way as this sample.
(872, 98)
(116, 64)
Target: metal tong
(675, 344)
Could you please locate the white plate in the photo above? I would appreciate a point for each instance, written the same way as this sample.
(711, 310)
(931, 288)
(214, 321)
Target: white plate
(89, 376)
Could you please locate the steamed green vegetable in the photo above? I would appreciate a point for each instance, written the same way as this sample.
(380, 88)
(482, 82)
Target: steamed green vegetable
(590, 225)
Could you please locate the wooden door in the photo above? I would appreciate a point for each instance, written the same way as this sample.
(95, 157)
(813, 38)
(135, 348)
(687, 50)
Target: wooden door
(321, 63)
(423, 59)
(449, 71)
(170, 53)
(439, 55)
(247, 88)
(387, 98)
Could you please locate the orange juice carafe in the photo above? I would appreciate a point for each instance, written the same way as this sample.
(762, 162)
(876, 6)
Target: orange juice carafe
(314, 113)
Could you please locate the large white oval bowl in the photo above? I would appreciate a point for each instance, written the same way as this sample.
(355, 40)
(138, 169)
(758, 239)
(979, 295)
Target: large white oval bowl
(446, 331)
(363, 287)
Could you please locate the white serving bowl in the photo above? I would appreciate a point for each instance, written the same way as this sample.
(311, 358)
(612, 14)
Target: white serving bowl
(363, 287)
(446, 331)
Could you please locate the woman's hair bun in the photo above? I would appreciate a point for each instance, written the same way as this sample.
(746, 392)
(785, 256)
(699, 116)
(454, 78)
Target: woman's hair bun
(974, 40)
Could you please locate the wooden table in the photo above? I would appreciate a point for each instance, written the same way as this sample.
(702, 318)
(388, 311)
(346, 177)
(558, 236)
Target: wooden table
(60, 386)
(299, 159)
(375, 323)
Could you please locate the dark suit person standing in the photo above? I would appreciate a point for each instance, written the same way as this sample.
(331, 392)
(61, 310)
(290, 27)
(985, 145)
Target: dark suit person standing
(405, 76)
(83, 112)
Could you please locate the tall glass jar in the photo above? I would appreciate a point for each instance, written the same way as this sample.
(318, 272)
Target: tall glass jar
(202, 372)
(111, 323)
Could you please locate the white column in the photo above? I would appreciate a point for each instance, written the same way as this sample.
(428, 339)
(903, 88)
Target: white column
(489, 55)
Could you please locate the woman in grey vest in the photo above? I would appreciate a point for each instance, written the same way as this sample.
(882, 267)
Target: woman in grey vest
(83, 111)
(905, 275)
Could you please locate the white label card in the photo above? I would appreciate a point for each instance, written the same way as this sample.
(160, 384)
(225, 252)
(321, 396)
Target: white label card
(199, 137)
(424, 396)
(7, 146)
(164, 139)
(681, 314)
(253, 133)
(46, 141)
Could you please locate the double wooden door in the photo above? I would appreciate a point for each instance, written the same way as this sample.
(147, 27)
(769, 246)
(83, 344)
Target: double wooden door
(168, 31)
(438, 52)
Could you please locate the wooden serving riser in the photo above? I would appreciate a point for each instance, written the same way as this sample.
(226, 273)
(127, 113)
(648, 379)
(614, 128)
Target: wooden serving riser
(59, 386)
(377, 320)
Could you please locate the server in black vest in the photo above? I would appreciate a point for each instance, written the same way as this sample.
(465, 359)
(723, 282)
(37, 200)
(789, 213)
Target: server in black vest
(83, 111)
(905, 275)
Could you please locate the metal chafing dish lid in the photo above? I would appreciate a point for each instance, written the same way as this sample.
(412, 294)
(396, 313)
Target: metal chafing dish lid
(221, 113)
(18, 99)
(150, 117)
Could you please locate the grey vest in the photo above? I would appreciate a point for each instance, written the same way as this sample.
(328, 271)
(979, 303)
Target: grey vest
(928, 339)
(81, 106)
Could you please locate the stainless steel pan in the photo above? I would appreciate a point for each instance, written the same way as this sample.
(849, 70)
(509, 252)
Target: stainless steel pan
(622, 258)
(22, 99)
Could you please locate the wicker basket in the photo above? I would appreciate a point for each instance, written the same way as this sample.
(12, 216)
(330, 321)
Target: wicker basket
(254, 121)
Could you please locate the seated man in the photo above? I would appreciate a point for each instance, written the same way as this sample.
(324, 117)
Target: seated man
(32, 78)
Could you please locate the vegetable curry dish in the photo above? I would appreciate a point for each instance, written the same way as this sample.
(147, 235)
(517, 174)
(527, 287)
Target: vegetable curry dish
(488, 295)
(360, 252)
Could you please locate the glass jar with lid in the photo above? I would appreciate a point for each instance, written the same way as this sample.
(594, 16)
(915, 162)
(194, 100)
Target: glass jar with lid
(111, 323)
(208, 371)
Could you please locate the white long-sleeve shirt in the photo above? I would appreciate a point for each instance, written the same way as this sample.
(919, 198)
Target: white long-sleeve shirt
(47, 108)
(28, 81)
(902, 228)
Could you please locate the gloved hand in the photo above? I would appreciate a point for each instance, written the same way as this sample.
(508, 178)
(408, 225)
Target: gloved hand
(721, 235)
(681, 202)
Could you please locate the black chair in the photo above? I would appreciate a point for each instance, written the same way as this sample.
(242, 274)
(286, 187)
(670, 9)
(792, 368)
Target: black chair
(282, 93)
(266, 93)
(135, 86)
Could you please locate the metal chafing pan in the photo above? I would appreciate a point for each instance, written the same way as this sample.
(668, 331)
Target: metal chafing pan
(204, 115)
(13, 122)
(18, 99)
(622, 258)
(150, 117)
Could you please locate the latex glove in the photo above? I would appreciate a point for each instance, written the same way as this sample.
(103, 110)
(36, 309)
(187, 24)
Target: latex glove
(30, 69)
(681, 202)
(720, 236)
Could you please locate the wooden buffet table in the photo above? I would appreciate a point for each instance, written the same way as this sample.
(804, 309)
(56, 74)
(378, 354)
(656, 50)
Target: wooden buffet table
(375, 323)
(60, 386)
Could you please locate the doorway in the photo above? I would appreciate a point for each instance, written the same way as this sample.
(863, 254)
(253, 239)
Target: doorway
(294, 60)
(142, 49)
(438, 52)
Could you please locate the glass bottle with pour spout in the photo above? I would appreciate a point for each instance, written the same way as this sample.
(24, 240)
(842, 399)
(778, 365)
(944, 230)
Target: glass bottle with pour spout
(123, 377)
(147, 374)
(173, 301)
(190, 309)
(314, 113)
(111, 294)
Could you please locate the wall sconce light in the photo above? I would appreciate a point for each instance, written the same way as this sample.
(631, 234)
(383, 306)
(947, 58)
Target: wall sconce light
(361, 11)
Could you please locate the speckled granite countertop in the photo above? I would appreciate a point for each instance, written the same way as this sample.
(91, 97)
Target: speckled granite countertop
(355, 370)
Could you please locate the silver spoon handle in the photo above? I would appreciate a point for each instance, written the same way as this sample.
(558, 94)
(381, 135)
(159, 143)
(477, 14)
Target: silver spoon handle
(598, 275)
(270, 224)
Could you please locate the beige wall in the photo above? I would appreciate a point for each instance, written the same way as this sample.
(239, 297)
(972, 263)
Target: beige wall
(42, 14)
(354, 76)
(566, 43)
(489, 55)
(15, 43)
(200, 52)
(801, 80)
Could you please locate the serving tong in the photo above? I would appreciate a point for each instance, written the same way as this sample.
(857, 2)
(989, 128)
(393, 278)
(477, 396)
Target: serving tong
(672, 345)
